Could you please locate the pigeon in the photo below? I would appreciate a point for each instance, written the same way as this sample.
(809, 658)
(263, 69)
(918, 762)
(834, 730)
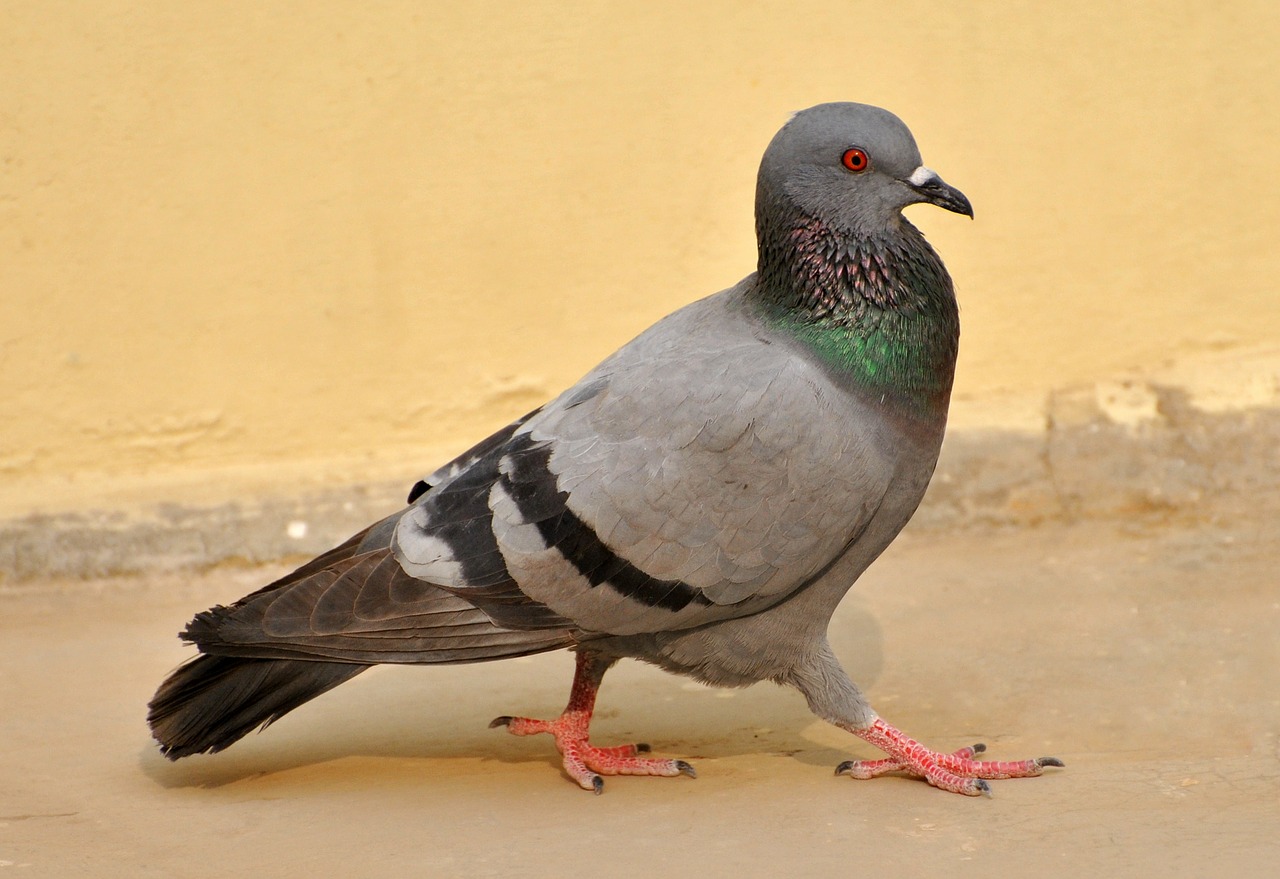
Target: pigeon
(701, 500)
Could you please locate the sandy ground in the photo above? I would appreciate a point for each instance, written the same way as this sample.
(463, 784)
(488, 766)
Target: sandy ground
(1146, 657)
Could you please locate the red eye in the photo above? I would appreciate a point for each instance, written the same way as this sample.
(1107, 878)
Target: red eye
(855, 160)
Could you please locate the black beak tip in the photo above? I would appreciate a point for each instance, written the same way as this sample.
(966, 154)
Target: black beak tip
(952, 199)
(945, 196)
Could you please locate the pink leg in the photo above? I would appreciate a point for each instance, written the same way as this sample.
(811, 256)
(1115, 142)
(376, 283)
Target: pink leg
(957, 772)
(584, 762)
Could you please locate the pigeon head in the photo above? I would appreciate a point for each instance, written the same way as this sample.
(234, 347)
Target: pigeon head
(841, 269)
(852, 166)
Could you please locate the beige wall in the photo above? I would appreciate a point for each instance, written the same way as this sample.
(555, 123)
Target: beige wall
(258, 233)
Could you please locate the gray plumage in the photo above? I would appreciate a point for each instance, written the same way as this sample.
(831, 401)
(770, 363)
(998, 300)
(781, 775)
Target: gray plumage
(701, 500)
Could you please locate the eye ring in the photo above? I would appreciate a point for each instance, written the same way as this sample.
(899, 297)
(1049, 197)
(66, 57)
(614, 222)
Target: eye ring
(856, 160)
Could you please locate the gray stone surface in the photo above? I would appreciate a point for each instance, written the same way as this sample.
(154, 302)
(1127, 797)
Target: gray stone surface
(1182, 461)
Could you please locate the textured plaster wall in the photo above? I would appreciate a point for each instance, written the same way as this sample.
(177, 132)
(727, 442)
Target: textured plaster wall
(248, 235)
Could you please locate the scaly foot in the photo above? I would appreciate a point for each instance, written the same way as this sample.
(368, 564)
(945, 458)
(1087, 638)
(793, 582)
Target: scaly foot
(957, 772)
(583, 761)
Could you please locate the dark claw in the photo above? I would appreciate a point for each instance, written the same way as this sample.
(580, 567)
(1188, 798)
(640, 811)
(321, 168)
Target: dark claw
(983, 787)
(979, 748)
(686, 769)
(844, 767)
(643, 748)
(597, 784)
(504, 720)
(1049, 761)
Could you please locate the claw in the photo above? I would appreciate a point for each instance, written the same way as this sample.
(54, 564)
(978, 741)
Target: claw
(597, 784)
(686, 769)
(1049, 761)
(983, 788)
(504, 720)
(844, 767)
(643, 748)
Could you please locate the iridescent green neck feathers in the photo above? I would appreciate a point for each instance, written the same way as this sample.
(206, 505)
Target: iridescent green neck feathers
(878, 311)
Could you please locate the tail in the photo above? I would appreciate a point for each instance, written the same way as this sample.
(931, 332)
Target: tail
(212, 702)
(313, 629)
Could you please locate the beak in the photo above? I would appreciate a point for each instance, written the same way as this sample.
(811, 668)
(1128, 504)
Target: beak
(931, 188)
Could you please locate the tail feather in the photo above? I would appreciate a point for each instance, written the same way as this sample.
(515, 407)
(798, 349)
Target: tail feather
(212, 702)
(313, 629)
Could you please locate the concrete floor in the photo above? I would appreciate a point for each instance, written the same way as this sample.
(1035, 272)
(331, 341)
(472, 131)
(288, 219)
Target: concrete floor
(1143, 655)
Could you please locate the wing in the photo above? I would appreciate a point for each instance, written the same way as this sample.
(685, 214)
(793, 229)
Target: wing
(356, 603)
(703, 472)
